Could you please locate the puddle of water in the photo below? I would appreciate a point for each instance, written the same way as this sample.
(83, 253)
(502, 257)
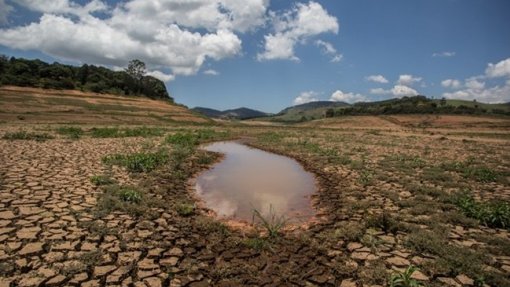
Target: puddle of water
(248, 179)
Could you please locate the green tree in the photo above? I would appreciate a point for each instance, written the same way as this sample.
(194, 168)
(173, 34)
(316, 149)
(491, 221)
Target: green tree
(136, 69)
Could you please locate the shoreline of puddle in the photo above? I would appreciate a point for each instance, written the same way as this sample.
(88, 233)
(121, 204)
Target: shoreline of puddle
(314, 215)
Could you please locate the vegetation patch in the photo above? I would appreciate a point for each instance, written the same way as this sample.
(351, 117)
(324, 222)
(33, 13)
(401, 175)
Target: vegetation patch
(70, 132)
(196, 137)
(494, 214)
(101, 180)
(128, 199)
(23, 135)
(126, 132)
(138, 162)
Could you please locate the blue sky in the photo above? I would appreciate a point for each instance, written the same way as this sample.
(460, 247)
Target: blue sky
(269, 55)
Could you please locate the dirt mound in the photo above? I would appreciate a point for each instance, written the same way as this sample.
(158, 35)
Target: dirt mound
(50, 106)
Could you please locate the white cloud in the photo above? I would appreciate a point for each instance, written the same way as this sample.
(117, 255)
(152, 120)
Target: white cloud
(306, 97)
(175, 34)
(475, 88)
(377, 79)
(161, 76)
(474, 84)
(211, 72)
(444, 54)
(380, 91)
(500, 69)
(401, 91)
(339, 96)
(408, 80)
(328, 49)
(397, 91)
(296, 25)
(5, 9)
(496, 94)
(451, 83)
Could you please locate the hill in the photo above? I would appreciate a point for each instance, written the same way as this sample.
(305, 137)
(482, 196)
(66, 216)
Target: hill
(34, 105)
(87, 78)
(308, 111)
(239, 113)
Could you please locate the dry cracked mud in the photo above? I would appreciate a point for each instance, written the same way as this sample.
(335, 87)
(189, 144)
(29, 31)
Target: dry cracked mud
(370, 202)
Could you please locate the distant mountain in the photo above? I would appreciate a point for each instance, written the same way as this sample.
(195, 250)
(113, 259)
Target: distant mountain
(239, 113)
(308, 111)
(405, 105)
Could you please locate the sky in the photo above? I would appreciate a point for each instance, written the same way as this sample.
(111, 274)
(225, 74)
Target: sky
(271, 54)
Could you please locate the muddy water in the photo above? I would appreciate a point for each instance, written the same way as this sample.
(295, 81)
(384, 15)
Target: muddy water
(248, 179)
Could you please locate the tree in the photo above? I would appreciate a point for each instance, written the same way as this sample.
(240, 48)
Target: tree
(136, 69)
(330, 113)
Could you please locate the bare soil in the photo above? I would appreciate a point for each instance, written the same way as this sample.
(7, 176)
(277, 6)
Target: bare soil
(384, 200)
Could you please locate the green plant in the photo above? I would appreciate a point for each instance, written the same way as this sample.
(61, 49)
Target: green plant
(185, 209)
(492, 214)
(256, 243)
(70, 132)
(404, 279)
(138, 162)
(130, 195)
(273, 223)
(105, 132)
(23, 135)
(101, 180)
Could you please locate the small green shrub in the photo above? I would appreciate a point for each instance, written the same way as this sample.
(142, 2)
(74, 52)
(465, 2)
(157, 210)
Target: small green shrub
(492, 214)
(272, 223)
(130, 195)
(105, 132)
(405, 279)
(23, 135)
(70, 132)
(138, 162)
(385, 222)
(185, 209)
(101, 180)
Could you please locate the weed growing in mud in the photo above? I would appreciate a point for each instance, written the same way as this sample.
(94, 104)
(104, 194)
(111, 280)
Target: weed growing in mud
(494, 214)
(138, 162)
(452, 259)
(196, 137)
(273, 223)
(126, 132)
(185, 209)
(126, 199)
(130, 195)
(468, 169)
(70, 132)
(404, 279)
(270, 137)
(105, 132)
(256, 243)
(101, 180)
(384, 221)
(23, 135)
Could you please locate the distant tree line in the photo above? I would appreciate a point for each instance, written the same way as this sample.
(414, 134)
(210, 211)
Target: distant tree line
(36, 73)
(412, 105)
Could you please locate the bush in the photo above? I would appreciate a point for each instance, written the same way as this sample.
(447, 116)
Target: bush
(138, 162)
(23, 135)
(101, 180)
(492, 214)
(70, 132)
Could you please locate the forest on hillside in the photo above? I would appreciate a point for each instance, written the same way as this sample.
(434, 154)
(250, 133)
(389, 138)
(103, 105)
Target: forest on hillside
(90, 78)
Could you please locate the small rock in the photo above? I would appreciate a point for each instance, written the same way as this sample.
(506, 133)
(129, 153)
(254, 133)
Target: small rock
(103, 270)
(348, 283)
(353, 246)
(418, 275)
(398, 261)
(152, 282)
(55, 281)
(449, 281)
(465, 280)
(31, 248)
(170, 261)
